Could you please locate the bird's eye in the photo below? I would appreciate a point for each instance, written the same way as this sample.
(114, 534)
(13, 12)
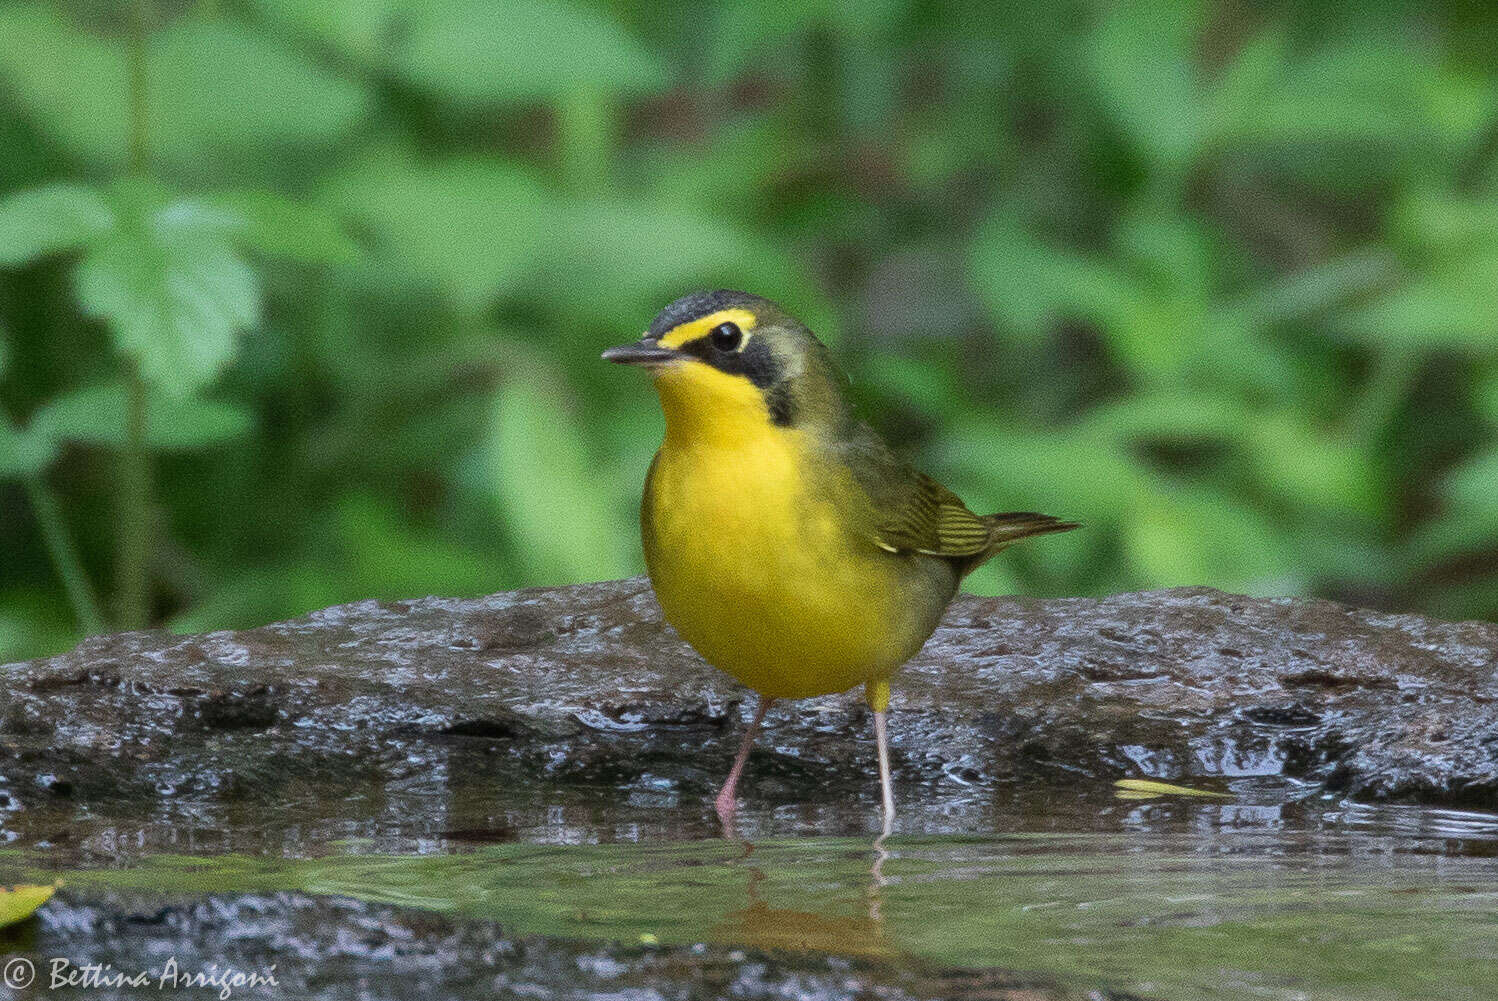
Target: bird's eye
(727, 337)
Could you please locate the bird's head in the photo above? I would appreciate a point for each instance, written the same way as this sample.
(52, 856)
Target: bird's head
(729, 362)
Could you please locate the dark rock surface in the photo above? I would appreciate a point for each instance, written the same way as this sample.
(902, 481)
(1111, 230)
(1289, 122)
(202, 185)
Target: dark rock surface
(332, 948)
(524, 696)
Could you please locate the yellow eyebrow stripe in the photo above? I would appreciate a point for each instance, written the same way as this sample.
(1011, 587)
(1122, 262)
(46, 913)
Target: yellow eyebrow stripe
(693, 329)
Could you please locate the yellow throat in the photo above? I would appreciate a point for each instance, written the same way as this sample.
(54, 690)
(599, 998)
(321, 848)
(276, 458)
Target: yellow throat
(748, 544)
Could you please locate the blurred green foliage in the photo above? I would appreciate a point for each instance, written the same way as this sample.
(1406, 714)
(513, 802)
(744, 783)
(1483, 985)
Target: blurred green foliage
(1220, 281)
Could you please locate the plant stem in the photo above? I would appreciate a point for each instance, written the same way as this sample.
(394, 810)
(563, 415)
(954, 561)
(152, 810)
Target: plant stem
(135, 509)
(65, 556)
(585, 139)
(140, 160)
(133, 603)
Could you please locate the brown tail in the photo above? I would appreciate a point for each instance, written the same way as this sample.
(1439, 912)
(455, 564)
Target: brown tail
(1004, 530)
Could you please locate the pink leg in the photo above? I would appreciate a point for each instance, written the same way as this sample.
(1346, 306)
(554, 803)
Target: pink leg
(727, 802)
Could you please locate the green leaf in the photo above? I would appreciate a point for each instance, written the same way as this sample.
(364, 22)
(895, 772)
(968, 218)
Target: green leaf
(1140, 63)
(389, 558)
(742, 32)
(1316, 288)
(34, 622)
(1178, 538)
(357, 28)
(1170, 250)
(220, 89)
(1172, 414)
(1445, 221)
(1312, 467)
(1459, 532)
(904, 380)
(173, 293)
(1253, 72)
(1372, 91)
(189, 219)
(96, 415)
(1150, 788)
(216, 89)
(542, 473)
(24, 453)
(1474, 484)
(50, 220)
(1450, 306)
(283, 228)
(1028, 285)
(482, 52)
(472, 228)
(17, 903)
(1070, 475)
(751, 37)
(629, 257)
(77, 92)
(1486, 395)
(249, 595)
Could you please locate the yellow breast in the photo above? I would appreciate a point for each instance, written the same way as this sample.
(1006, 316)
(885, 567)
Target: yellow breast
(751, 552)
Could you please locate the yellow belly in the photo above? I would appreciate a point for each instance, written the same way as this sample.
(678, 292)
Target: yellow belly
(763, 576)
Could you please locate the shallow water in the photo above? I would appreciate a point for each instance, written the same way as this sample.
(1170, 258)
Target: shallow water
(1082, 895)
(1273, 815)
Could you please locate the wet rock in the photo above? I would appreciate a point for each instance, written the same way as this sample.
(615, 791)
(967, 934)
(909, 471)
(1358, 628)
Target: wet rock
(252, 710)
(118, 945)
(415, 712)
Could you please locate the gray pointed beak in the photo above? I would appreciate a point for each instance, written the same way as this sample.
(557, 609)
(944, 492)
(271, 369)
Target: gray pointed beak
(645, 352)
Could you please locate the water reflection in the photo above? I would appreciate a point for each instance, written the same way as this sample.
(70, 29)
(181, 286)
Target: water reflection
(759, 925)
(1167, 915)
(1269, 815)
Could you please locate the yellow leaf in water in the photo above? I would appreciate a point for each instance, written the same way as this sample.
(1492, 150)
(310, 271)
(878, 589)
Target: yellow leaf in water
(1145, 788)
(17, 903)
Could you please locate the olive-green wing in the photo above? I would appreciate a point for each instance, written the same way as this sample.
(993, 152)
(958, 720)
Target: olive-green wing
(912, 513)
(932, 520)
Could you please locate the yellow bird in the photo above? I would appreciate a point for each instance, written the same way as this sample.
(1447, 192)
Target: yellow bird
(785, 542)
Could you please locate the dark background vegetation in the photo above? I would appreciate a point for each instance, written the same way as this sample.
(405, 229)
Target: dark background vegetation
(302, 302)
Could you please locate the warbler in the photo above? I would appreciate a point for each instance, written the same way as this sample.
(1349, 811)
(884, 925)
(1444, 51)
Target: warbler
(785, 541)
